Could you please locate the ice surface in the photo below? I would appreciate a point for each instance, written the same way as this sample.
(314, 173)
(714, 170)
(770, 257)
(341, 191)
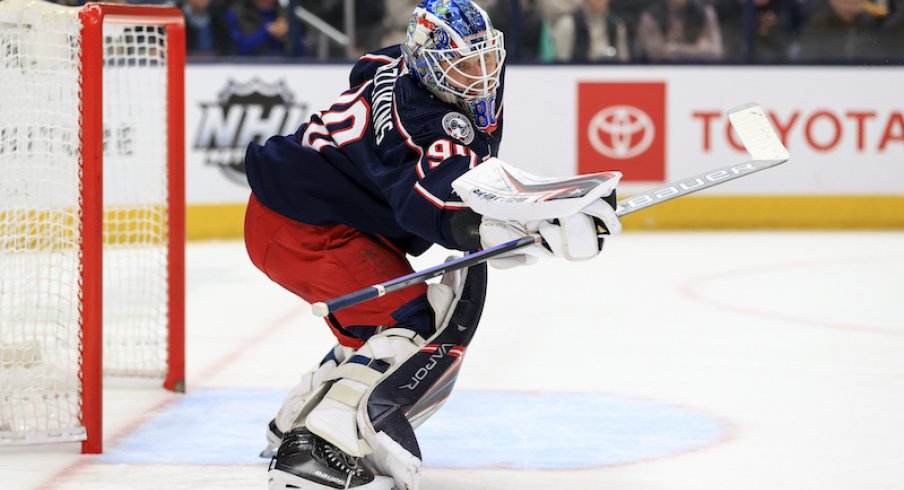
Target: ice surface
(678, 361)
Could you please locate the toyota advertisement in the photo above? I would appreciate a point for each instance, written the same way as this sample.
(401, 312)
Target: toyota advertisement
(844, 139)
(622, 127)
(654, 124)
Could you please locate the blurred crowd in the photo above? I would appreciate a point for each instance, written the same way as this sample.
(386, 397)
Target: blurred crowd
(549, 31)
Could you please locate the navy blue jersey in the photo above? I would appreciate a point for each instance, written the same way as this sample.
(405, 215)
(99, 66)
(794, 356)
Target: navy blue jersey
(381, 159)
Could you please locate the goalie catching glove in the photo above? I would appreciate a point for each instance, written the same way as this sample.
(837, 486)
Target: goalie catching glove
(569, 214)
(574, 237)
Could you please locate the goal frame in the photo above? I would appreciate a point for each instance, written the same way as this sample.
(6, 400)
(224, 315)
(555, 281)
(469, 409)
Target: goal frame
(93, 17)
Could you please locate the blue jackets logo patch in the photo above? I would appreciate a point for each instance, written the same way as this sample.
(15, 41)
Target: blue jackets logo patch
(459, 127)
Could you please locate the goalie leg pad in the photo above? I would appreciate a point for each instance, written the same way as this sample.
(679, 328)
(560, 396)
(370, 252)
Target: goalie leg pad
(307, 389)
(417, 387)
(289, 412)
(334, 417)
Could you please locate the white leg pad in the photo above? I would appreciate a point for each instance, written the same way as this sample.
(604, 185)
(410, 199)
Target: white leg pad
(288, 414)
(334, 418)
(394, 446)
(442, 295)
(392, 459)
(392, 345)
(440, 298)
(291, 408)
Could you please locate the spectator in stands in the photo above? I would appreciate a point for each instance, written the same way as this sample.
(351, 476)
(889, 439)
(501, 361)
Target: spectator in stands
(771, 31)
(591, 33)
(553, 9)
(529, 28)
(840, 31)
(680, 30)
(891, 35)
(261, 28)
(398, 13)
(368, 23)
(629, 11)
(206, 28)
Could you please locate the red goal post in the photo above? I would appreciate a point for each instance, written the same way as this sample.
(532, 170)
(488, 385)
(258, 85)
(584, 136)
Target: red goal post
(92, 209)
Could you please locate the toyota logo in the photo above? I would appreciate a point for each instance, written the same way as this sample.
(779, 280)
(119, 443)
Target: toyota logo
(621, 132)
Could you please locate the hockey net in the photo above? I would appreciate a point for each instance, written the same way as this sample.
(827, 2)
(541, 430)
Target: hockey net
(85, 197)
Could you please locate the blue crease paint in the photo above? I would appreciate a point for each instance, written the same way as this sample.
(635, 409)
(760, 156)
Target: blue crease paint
(475, 429)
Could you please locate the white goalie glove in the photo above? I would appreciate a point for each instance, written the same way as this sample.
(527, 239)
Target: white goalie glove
(573, 237)
(569, 214)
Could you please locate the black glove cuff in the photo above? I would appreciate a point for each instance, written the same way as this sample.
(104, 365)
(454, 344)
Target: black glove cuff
(466, 229)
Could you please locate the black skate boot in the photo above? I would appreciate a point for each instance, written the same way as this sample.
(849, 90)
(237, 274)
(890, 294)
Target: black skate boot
(307, 462)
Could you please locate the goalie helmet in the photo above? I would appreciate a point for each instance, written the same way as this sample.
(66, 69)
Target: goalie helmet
(453, 50)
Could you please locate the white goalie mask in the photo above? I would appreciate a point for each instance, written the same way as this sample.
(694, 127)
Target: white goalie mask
(453, 50)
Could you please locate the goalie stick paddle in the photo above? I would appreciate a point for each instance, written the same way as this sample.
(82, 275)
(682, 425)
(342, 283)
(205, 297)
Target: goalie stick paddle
(752, 126)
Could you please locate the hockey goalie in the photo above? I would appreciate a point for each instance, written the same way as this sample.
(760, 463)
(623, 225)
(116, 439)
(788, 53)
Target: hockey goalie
(380, 175)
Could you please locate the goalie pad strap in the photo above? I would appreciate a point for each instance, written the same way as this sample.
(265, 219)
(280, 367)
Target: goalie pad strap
(345, 394)
(357, 372)
(383, 346)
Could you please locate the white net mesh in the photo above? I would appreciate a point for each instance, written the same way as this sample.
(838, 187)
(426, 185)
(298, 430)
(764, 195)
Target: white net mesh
(135, 193)
(39, 225)
(40, 322)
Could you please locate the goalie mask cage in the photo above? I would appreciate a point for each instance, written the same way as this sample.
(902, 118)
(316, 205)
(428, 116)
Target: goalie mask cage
(91, 211)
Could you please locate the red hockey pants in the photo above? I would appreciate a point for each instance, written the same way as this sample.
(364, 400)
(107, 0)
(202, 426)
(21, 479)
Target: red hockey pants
(319, 263)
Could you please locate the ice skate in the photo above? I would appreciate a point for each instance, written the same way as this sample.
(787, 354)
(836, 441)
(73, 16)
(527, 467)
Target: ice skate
(307, 462)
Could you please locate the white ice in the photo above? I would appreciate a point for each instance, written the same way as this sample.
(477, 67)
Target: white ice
(794, 341)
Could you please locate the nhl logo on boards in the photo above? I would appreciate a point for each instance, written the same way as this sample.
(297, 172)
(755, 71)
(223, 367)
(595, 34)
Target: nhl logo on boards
(243, 112)
(459, 127)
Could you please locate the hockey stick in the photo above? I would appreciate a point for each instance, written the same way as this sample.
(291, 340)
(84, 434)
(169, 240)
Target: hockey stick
(749, 121)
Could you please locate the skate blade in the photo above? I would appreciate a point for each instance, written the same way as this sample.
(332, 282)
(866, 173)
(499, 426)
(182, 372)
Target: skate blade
(280, 480)
(268, 452)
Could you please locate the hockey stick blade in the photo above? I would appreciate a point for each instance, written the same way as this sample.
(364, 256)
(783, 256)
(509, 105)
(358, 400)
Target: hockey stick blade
(752, 126)
(760, 141)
